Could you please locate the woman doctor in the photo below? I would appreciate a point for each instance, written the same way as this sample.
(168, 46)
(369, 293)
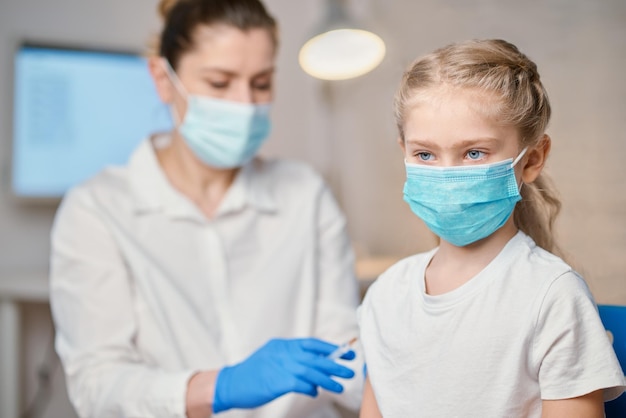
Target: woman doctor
(198, 279)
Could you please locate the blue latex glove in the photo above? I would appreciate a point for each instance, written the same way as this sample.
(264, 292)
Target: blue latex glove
(277, 368)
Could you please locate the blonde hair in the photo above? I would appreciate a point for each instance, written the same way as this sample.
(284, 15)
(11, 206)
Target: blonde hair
(182, 17)
(498, 68)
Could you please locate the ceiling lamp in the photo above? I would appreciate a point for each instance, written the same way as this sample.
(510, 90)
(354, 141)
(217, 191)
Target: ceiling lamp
(341, 48)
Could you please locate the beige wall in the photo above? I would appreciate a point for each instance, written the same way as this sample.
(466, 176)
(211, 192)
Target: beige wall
(345, 129)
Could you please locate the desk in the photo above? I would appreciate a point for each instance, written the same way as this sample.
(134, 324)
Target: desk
(18, 288)
(15, 289)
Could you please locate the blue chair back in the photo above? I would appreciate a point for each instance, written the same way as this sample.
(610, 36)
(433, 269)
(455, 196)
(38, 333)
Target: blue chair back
(614, 320)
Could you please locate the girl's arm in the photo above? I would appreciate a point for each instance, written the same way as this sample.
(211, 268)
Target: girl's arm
(369, 407)
(590, 405)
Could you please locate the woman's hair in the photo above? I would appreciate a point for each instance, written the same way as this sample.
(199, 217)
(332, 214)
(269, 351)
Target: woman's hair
(182, 18)
(498, 68)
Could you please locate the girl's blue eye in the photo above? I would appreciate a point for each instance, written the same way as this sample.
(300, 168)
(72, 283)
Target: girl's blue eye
(424, 156)
(475, 154)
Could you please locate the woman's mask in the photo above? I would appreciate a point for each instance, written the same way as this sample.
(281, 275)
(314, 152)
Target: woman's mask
(222, 133)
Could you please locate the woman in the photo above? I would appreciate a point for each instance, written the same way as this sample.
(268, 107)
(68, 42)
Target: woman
(189, 281)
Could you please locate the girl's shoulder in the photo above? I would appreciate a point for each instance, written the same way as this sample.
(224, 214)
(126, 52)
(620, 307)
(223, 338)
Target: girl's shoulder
(537, 263)
(401, 276)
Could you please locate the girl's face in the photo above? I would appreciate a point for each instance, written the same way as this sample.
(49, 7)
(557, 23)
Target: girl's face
(448, 129)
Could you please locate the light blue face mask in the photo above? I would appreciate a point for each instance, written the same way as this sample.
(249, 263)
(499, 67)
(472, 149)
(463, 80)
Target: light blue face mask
(463, 204)
(221, 133)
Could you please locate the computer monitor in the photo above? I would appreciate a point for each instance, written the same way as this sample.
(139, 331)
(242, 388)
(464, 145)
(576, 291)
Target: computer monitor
(77, 111)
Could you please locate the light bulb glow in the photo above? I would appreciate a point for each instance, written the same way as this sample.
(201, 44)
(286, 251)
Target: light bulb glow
(341, 54)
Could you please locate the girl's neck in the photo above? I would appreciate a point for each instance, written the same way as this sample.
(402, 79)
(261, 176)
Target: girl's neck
(453, 266)
(203, 185)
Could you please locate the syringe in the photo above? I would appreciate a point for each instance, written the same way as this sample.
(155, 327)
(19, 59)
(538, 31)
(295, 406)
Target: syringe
(342, 349)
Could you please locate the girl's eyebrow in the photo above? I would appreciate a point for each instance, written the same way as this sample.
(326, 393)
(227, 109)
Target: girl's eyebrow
(465, 143)
(425, 143)
(468, 143)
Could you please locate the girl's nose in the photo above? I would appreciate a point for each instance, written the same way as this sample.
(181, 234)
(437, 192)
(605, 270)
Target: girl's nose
(449, 161)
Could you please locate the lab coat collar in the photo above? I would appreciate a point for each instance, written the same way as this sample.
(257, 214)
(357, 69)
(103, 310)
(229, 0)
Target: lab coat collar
(154, 192)
(252, 186)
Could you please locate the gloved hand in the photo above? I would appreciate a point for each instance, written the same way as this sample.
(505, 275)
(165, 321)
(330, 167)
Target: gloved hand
(277, 368)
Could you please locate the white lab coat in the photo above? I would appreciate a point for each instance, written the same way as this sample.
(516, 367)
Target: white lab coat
(145, 291)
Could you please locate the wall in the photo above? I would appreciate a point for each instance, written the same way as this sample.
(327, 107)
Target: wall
(346, 130)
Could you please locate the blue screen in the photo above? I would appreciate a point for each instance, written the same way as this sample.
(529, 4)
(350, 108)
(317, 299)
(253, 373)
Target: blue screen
(76, 112)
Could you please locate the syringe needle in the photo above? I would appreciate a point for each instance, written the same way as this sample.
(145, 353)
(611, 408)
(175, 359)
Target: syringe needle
(342, 349)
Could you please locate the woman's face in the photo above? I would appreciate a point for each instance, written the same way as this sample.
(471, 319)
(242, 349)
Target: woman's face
(228, 63)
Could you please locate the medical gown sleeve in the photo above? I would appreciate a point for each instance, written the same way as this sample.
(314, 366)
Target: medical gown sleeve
(338, 292)
(91, 300)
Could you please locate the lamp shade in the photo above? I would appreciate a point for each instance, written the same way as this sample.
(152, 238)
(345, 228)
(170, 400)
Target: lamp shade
(341, 48)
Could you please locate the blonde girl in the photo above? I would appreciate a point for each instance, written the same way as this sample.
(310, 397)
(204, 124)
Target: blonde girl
(490, 323)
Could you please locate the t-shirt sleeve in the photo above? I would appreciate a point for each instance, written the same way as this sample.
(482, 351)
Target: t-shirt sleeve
(571, 347)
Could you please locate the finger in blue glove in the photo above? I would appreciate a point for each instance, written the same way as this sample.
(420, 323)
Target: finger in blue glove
(280, 366)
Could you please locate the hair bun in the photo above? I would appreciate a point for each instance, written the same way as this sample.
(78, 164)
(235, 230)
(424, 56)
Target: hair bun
(166, 6)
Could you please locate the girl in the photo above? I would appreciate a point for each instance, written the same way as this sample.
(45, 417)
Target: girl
(490, 323)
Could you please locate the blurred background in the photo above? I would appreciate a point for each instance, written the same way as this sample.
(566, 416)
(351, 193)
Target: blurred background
(345, 129)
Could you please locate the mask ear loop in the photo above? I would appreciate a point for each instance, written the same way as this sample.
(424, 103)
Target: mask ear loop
(171, 74)
(178, 85)
(517, 159)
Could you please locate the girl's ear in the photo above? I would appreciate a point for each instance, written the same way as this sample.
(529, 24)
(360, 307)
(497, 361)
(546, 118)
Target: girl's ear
(162, 82)
(536, 159)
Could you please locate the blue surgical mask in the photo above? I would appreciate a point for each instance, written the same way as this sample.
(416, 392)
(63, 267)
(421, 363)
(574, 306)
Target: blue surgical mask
(221, 133)
(463, 204)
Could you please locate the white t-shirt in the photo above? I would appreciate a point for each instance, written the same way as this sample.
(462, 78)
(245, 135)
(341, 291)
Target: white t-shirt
(145, 290)
(524, 329)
